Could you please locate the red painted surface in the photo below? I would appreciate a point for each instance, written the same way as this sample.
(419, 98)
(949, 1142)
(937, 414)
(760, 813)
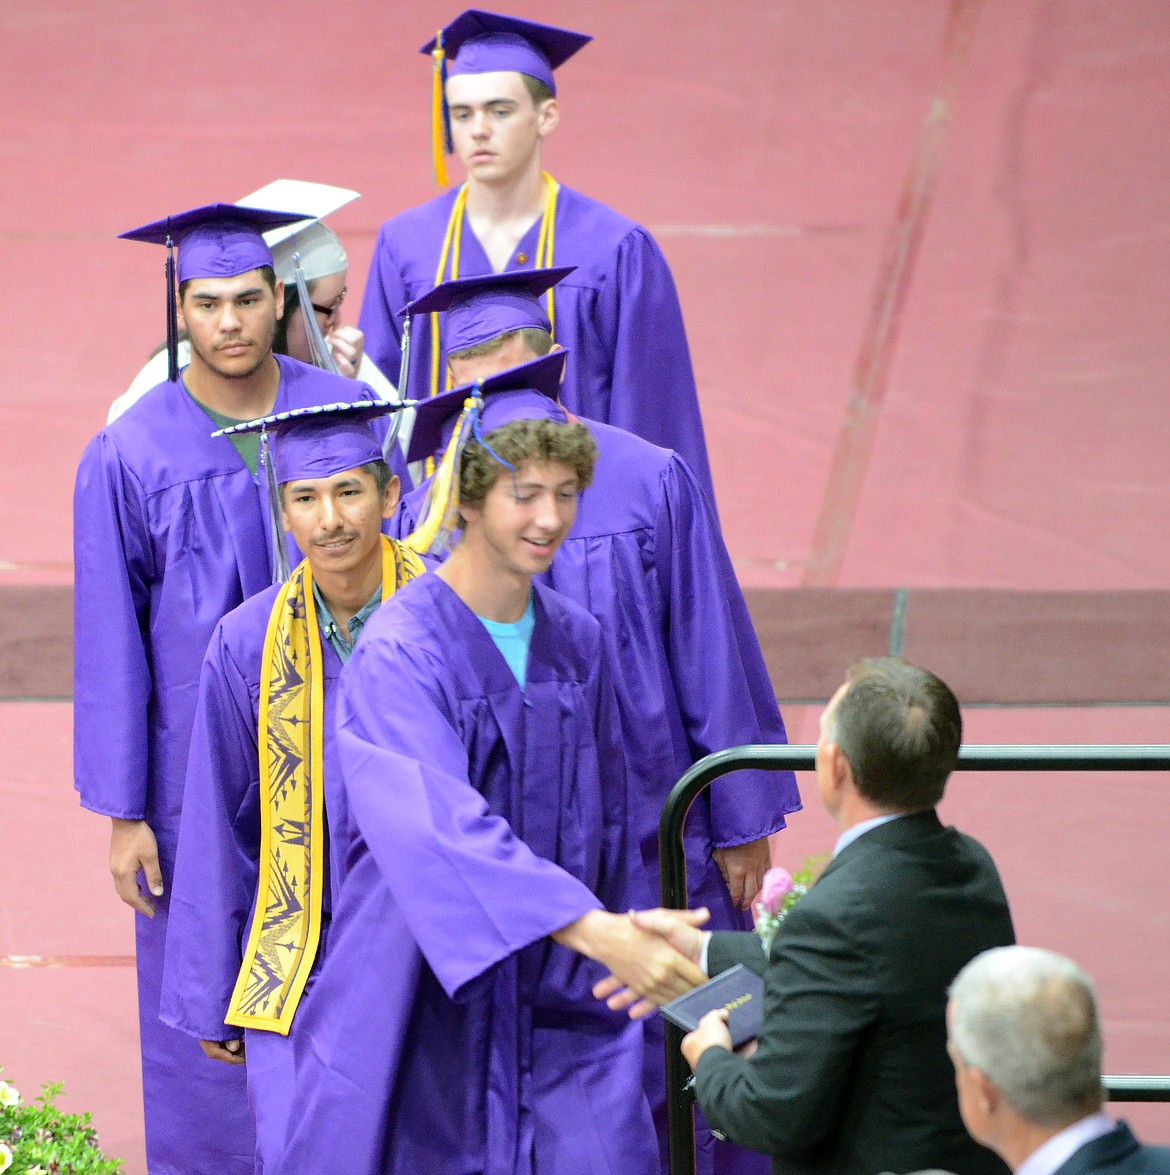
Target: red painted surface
(1019, 349)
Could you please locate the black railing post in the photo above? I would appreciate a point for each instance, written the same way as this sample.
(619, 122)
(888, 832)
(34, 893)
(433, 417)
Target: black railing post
(673, 878)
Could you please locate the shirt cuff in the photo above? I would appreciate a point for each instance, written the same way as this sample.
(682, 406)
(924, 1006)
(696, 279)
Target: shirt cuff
(703, 953)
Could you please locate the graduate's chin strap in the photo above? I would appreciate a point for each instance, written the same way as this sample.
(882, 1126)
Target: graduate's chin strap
(172, 314)
(319, 348)
(281, 569)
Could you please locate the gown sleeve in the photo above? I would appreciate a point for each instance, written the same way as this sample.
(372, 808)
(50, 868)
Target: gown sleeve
(217, 863)
(111, 674)
(723, 690)
(384, 297)
(653, 390)
(471, 891)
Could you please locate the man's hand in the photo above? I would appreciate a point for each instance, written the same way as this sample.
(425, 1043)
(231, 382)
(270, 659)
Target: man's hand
(679, 928)
(231, 1052)
(645, 970)
(743, 868)
(133, 847)
(712, 1033)
(348, 345)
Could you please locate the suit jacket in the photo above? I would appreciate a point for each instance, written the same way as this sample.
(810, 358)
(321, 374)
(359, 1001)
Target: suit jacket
(851, 1074)
(1117, 1153)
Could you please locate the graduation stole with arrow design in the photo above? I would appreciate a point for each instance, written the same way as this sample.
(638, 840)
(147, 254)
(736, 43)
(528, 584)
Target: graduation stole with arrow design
(286, 928)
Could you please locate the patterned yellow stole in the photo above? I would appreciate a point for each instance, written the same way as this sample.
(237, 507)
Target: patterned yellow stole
(286, 929)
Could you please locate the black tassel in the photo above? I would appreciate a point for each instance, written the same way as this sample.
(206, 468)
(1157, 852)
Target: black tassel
(172, 315)
(448, 146)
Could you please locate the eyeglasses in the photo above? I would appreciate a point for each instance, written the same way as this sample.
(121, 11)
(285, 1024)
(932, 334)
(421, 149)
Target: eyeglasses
(328, 312)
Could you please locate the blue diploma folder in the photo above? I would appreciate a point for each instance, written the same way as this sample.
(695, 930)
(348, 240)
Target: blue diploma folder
(738, 988)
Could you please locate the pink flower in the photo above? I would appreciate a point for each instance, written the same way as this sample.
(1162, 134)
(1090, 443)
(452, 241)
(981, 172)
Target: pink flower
(776, 885)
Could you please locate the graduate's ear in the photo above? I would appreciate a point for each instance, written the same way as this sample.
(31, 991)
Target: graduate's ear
(548, 115)
(390, 495)
(179, 312)
(278, 293)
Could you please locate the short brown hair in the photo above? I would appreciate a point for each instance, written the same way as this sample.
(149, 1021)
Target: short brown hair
(536, 339)
(900, 728)
(537, 90)
(519, 442)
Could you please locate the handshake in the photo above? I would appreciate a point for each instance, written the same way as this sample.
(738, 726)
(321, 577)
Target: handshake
(652, 955)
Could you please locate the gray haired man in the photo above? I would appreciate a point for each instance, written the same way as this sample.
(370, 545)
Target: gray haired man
(1025, 1039)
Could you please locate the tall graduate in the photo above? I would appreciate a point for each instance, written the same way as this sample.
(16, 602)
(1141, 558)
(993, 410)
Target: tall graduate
(618, 314)
(453, 1027)
(170, 533)
(264, 818)
(645, 557)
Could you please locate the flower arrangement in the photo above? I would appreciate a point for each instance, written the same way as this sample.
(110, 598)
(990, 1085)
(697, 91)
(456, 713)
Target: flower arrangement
(779, 892)
(40, 1139)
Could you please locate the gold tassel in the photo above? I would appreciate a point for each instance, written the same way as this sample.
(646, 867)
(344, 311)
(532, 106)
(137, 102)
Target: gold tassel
(439, 130)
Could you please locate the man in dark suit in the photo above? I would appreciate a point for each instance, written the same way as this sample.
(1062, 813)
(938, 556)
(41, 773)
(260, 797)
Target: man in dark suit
(1026, 1043)
(851, 1073)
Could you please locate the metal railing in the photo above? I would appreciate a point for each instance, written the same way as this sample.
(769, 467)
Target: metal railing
(679, 1104)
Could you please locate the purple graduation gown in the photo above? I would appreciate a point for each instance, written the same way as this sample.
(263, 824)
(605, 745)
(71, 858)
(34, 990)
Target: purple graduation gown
(447, 1033)
(618, 315)
(213, 896)
(646, 558)
(170, 534)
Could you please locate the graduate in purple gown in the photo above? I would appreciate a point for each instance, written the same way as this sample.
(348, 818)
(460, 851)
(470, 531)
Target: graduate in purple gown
(453, 1026)
(646, 558)
(169, 535)
(230, 974)
(618, 315)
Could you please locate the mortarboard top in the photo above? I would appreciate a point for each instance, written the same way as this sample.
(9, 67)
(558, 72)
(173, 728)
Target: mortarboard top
(526, 392)
(485, 307)
(318, 201)
(486, 42)
(320, 441)
(216, 240)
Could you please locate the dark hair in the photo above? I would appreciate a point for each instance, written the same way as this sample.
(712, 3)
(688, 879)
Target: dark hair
(899, 727)
(519, 442)
(536, 339)
(292, 302)
(265, 271)
(537, 90)
(381, 473)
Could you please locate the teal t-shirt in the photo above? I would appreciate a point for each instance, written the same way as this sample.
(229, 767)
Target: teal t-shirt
(513, 640)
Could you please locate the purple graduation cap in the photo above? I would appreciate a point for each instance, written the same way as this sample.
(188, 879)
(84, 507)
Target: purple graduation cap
(215, 240)
(485, 42)
(485, 307)
(526, 392)
(309, 443)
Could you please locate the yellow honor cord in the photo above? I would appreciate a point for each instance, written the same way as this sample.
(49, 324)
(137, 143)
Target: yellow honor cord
(546, 242)
(452, 239)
